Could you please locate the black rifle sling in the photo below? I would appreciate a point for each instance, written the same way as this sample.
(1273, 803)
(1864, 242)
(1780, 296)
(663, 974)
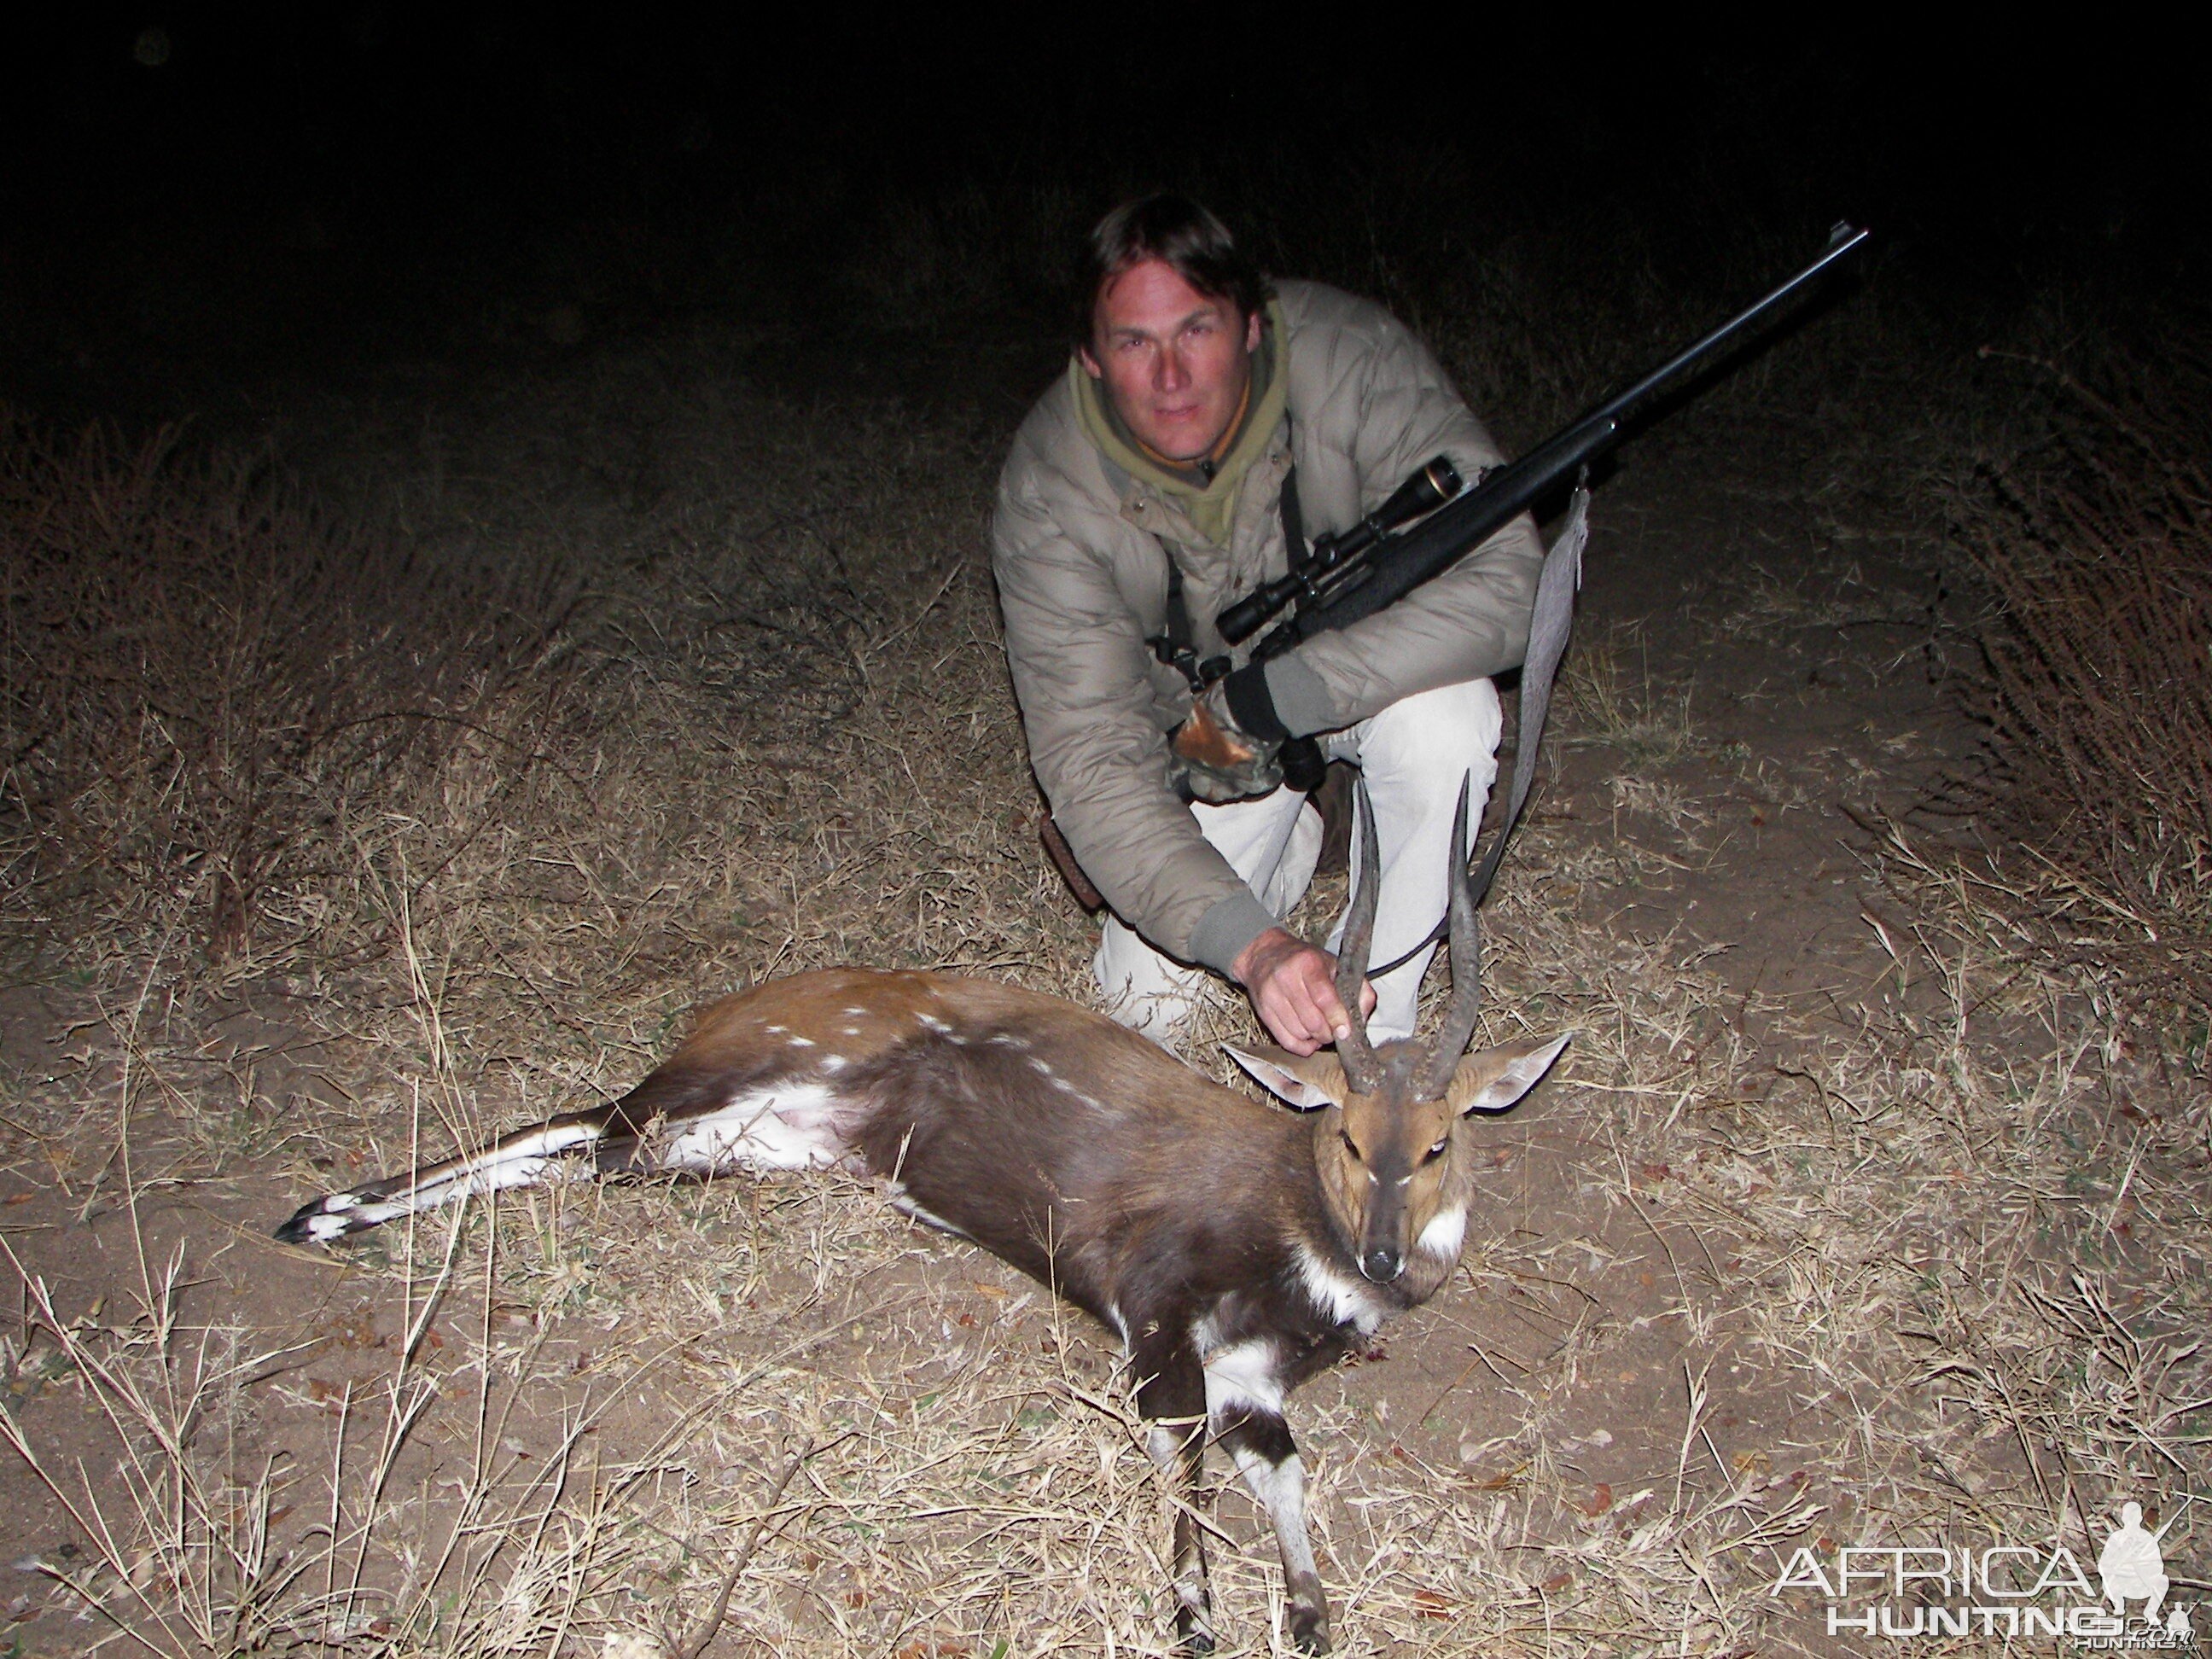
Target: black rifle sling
(1304, 764)
(1294, 522)
(1174, 644)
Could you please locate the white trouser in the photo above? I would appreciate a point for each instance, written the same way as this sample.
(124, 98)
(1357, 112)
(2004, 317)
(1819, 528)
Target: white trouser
(1412, 756)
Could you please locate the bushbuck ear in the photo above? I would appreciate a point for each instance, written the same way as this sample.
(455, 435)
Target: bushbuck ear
(1491, 1080)
(1307, 1082)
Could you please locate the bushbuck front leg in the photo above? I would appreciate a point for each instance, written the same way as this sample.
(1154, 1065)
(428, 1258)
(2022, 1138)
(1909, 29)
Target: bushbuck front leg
(1171, 1397)
(1267, 1457)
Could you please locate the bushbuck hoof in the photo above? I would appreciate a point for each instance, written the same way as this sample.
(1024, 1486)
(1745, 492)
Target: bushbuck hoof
(1308, 1612)
(1191, 1636)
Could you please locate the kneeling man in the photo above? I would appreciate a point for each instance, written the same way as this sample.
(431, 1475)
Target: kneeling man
(1205, 417)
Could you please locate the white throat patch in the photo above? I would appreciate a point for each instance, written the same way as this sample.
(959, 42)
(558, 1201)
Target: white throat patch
(1443, 1236)
(1343, 1298)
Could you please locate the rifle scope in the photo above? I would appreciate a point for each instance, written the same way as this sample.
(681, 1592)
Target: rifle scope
(1436, 483)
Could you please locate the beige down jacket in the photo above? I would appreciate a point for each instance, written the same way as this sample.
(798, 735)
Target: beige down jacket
(1080, 548)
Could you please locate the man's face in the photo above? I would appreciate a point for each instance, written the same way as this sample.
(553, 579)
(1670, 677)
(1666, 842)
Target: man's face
(1175, 362)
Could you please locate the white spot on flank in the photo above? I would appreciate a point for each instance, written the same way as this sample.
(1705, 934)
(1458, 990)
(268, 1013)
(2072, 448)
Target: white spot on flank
(1042, 1069)
(933, 1022)
(802, 1043)
(1243, 1374)
(856, 1013)
(1442, 1236)
(777, 1029)
(852, 1030)
(833, 1062)
(1337, 1294)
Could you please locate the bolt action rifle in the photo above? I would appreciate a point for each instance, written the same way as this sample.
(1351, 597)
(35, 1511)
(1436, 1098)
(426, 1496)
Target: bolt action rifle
(1429, 523)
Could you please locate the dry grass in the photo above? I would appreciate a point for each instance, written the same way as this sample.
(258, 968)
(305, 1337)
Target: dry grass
(1910, 1232)
(216, 698)
(191, 1552)
(1610, 697)
(2097, 546)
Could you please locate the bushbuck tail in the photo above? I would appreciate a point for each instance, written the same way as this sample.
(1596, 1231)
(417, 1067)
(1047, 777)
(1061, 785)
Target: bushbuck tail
(1236, 1249)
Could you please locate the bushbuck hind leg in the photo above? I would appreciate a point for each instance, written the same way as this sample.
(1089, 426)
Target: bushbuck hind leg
(528, 1158)
(683, 1120)
(1171, 1399)
(1267, 1457)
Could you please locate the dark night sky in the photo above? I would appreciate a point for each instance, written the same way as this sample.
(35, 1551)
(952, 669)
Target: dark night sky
(389, 137)
(387, 105)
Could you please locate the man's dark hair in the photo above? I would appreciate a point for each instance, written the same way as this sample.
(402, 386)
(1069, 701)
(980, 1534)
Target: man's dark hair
(1177, 231)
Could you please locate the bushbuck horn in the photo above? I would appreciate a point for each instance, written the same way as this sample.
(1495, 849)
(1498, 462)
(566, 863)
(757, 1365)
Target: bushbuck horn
(1435, 1075)
(1351, 957)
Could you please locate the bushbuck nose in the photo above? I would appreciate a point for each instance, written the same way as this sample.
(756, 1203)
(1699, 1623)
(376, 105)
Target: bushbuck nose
(1382, 1265)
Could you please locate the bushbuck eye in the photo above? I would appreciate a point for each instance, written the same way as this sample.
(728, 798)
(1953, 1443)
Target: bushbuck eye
(1436, 1151)
(1349, 1145)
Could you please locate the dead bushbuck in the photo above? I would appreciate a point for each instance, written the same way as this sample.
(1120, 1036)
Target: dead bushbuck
(1236, 1249)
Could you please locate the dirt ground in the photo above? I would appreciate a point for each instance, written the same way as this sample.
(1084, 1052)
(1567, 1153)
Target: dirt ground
(1835, 1228)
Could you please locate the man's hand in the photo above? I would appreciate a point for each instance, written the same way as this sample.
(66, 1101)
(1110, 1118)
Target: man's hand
(1293, 990)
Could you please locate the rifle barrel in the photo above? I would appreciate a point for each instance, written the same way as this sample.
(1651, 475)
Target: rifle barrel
(1844, 243)
(1410, 558)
